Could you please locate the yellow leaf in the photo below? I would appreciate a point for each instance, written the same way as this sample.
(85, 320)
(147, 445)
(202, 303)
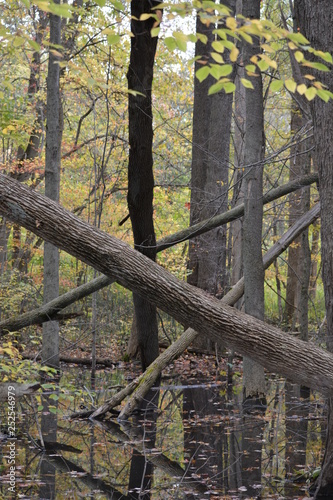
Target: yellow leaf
(290, 85)
(311, 93)
(292, 46)
(247, 84)
(234, 54)
(301, 89)
(299, 56)
(231, 23)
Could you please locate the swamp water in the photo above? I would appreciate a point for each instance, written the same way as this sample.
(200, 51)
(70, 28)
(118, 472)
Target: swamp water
(195, 443)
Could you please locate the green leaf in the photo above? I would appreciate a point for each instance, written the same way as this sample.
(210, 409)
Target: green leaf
(34, 44)
(310, 93)
(276, 85)
(218, 71)
(262, 65)
(301, 89)
(113, 39)
(229, 87)
(216, 87)
(250, 68)
(155, 32)
(181, 45)
(246, 83)
(202, 73)
(217, 57)
(203, 38)
(325, 95)
(316, 65)
(118, 5)
(218, 46)
(101, 3)
(170, 42)
(298, 38)
(290, 85)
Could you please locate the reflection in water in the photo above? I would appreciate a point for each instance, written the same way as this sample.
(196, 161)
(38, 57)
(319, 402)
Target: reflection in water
(195, 443)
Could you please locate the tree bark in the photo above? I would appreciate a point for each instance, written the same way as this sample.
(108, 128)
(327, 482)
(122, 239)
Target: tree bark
(141, 385)
(315, 20)
(140, 167)
(300, 361)
(209, 174)
(254, 383)
(45, 312)
(50, 349)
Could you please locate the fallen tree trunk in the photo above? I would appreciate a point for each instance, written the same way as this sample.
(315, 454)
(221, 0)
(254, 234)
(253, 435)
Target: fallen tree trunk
(50, 310)
(302, 362)
(233, 214)
(141, 385)
(75, 360)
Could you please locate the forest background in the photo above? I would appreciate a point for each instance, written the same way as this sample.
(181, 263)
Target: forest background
(94, 56)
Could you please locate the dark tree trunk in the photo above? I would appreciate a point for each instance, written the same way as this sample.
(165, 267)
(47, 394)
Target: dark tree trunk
(315, 20)
(300, 361)
(140, 166)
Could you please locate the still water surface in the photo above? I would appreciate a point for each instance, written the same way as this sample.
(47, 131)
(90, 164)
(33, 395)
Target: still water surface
(192, 442)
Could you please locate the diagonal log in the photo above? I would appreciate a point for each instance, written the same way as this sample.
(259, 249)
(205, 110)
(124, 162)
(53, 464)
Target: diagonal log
(302, 362)
(141, 385)
(50, 310)
(233, 214)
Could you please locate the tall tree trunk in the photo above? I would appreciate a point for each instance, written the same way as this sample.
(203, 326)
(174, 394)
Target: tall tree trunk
(140, 166)
(315, 20)
(299, 256)
(254, 375)
(50, 349)
(209, 174)
(238, 191)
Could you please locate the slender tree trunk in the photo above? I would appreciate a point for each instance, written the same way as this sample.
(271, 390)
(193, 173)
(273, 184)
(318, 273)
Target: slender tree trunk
(299, 257)
(238, 191)
(140, 166)
(315, 20)
(254, 375)
(50, 350)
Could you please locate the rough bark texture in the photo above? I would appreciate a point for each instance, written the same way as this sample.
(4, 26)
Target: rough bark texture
(299, 257)
(209, 174)
(254, 301)
(141, 385)
(300, 361)
(45, 312)
(315, 20)
(50, 349)
(140, 166)
(238, 191)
